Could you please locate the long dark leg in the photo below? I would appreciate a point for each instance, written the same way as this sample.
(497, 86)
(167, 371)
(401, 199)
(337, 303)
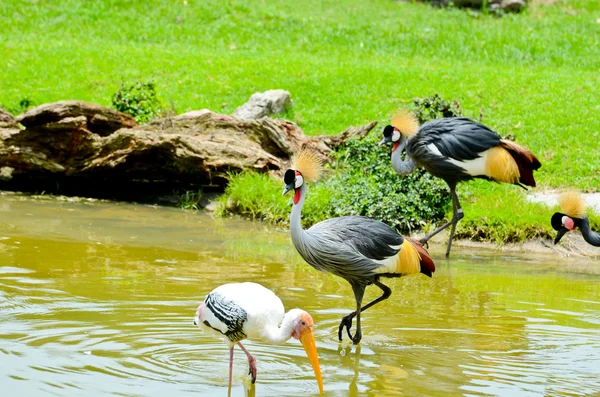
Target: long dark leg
(251, 362)
(458, 215)
(347, 321)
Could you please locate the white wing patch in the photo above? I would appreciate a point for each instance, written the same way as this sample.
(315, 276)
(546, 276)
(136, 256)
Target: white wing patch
(475, 167)
(388, 265)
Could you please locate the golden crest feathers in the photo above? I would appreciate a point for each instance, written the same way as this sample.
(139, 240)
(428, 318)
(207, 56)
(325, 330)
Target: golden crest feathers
(406, 122)
(309, 164)
(572, 204)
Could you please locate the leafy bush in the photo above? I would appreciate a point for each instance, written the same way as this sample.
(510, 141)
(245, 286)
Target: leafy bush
(138, 100)
(365, 184)
(434, 106)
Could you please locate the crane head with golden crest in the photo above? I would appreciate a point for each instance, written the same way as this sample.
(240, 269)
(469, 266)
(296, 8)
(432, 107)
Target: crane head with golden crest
(306, 166)
(573, 211)
(403, 125)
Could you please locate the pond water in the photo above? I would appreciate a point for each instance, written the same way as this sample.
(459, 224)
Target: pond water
(99, 299)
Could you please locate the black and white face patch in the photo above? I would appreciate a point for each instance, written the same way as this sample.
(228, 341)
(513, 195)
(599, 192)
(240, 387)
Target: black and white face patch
(391, 133)
(289, 177)
(293, 177)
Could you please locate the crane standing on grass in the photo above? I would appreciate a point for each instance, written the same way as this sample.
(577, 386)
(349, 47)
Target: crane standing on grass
(572, 217)
(359, 249)
(238, 311)
(457, 149)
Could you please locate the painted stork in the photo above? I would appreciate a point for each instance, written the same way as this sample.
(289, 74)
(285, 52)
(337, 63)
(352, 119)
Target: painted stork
(573, 216)
(359, 249)
(238, 311)
(457, 149)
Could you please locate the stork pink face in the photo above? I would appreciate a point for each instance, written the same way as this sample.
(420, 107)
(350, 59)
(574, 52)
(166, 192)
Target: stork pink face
(304, 324)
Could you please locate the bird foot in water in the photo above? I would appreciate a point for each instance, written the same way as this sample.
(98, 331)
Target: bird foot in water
(357, 337)
(346, 322)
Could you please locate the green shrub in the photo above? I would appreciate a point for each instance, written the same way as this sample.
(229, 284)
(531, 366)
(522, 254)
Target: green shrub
(138, 100)
(434, 106)
(365, 184)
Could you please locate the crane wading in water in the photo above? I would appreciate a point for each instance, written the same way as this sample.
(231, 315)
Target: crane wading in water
(573, 216)
(238, 311)
(457, 149)
(359, 249)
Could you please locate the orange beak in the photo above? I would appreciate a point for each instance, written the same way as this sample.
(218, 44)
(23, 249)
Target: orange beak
(308, 341)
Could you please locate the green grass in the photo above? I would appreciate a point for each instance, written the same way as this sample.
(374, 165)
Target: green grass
(535, 75)
(259, 196)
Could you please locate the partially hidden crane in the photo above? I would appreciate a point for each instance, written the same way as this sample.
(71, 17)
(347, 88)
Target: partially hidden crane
(361, 250)
(572, 217)
(237, 311)
(457, 149)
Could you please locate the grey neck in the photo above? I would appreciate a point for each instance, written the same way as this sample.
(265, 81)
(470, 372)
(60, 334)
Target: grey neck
(295, 221)
(301, 238)
(402, 167)
(592, 238)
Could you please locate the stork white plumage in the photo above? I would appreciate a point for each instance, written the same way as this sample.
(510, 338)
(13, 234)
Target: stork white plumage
(238, 311)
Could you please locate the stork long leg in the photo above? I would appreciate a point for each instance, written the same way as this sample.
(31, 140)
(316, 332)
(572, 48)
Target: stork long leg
(230, 366)
(347, 320)
(251, 363)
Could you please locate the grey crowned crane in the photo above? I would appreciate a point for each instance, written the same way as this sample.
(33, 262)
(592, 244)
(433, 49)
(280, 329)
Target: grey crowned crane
(238, 311)
(573, 216)
(358, 249)
(457, 149)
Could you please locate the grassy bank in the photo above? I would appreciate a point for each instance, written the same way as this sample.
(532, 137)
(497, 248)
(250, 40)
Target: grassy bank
(533, 75)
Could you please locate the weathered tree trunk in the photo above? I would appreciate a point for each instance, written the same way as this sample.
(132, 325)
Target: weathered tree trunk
(76, 148)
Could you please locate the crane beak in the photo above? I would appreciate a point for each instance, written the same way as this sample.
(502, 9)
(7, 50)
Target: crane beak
(385, 140)
(288, 187)
(308, 341)
(559, 234)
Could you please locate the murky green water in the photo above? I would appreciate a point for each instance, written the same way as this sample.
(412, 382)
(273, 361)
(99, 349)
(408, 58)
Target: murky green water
(99, 299)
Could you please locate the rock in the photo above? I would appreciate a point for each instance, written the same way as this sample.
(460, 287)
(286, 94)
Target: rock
(6, 173)
(263, 104)
(99, 120)
(7, 120)
(192, 114)
(513, 5)
(196, 150)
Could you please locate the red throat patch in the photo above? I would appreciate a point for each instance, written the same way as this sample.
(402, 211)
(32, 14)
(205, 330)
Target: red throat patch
(296, 196)
(396, 144)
